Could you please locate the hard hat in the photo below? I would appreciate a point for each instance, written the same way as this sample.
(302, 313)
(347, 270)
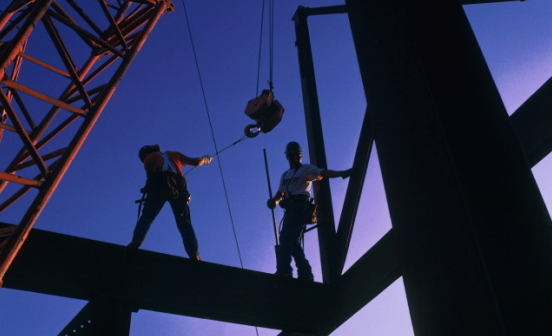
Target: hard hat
(293, 147)
(147, 150)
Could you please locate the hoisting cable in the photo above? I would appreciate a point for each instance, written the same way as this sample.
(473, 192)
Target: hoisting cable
(270, 46)
(271, 42)
(260, 49)
(212, 132)
(214, 139)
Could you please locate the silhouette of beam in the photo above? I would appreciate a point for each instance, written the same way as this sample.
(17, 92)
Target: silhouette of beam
(465, 208)
(367, 278)
(84, 269)
(478, 2)
(532, 122)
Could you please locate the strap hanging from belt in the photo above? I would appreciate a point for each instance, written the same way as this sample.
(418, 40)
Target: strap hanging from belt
(168, 164)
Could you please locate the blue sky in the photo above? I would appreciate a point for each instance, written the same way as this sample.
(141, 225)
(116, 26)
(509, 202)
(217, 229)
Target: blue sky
(159, 101)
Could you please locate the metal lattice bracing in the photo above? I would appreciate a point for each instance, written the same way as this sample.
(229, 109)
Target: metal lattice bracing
(53, 92)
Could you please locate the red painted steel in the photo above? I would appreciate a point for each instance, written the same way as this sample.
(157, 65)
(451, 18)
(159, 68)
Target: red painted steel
(112, 49)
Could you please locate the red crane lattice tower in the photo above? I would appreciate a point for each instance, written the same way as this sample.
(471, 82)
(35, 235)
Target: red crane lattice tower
(53, 92)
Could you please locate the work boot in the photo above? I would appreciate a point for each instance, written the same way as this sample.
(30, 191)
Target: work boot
(284, 275)
(306, 278)
(195, 257)
(134, 245)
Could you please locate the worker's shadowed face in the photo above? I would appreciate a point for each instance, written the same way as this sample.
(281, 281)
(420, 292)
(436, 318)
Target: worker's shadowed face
(294, 158)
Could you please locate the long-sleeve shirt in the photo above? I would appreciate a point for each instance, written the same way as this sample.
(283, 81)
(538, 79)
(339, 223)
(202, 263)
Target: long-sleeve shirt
(154, 162)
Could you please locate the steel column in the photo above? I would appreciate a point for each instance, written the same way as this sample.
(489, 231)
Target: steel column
(317, 151)
(472, 229)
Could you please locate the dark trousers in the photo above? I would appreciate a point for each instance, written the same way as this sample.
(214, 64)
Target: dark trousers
(156, 198)
(290, 246)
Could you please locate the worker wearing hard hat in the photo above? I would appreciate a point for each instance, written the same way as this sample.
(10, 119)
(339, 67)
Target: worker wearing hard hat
(293, 195)
(165, 182)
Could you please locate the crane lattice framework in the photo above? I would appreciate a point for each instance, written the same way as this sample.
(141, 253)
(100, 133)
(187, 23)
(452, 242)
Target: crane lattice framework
(53, 91)
(471, 234)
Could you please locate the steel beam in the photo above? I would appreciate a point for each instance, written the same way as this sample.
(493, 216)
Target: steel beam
(317, 151)
(470, 224)
(109, 317)
(62, 265)
(478, 2)
(354, 191)
(532, 122)
(376, 270)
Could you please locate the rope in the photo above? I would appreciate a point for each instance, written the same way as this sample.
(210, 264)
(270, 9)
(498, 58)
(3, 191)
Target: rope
(222, 150)
(260, 48)
(215, 141)
(212, 132)
(270, 45)
(271, 42)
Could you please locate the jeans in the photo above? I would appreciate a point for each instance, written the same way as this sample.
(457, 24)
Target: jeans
(290, 235)
(156, 198)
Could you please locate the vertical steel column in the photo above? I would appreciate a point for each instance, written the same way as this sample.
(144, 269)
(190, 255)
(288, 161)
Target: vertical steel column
(472, 230)
(317, 151)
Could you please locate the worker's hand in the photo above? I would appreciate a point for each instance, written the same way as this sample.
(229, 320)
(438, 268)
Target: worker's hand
(207, 159)
(346, 173)
(271, 203)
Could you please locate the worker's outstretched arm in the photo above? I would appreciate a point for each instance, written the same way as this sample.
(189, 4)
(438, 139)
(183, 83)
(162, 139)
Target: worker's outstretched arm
(204, 160)
(327, 173)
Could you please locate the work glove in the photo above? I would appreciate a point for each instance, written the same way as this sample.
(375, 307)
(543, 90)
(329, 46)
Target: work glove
(346, 173)
(207, 159)
(271, 203)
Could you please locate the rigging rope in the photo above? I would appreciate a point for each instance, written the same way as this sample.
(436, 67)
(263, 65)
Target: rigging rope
(215, 141)
(271, 62)
(222, 150)
(271, 41)
(260, 48)
(270, 45)
(212, 133)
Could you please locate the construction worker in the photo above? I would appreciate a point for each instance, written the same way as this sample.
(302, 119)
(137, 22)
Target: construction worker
(165, 182)
(293, 195)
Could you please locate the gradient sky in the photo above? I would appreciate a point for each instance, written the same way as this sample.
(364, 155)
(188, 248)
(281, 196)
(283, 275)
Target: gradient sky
(160, 102)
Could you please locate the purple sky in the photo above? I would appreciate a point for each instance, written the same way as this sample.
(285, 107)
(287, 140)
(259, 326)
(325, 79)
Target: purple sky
(160, 102)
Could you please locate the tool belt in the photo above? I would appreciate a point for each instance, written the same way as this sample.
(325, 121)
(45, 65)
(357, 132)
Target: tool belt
(167, 183)
(308, 213)
(286, 202)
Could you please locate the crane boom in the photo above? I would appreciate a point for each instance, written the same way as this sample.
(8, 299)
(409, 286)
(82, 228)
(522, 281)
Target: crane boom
(52, 94)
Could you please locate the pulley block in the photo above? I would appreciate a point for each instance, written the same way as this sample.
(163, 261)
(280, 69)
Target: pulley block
(265, 111)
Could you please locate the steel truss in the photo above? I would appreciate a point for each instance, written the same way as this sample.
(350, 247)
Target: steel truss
(91, 45)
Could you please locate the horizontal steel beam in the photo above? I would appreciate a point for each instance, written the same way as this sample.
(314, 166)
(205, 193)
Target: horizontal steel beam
(20, 180)
(79, 268)
(478, 2)
(61, 265)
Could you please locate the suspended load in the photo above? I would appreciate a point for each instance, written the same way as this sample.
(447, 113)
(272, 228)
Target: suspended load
(266, 111)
